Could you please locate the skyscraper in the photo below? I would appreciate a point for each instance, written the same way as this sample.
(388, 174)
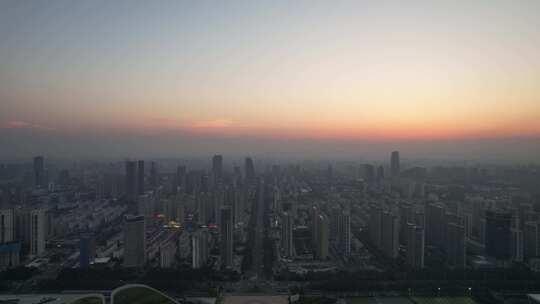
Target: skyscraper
(37, 232)
(394, 164)
(390, 235)
(516, 246)
(131, 181)
(217, 167)
(249, 169)
(375, 226)
(140, 177)
(287, 243)
(455, 247)
(344, 233)
(87, 249)
(498, 234)
(181, 178)
(134, 241)
(153, 176)
(321, 251)
(6, 226)
(226, 236)
(435, 221)
(199, 249)
(39, 171)
(415, 246)
(531, 240)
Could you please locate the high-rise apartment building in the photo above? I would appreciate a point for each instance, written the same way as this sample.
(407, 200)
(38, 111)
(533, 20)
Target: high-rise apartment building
(226, 236)
(394, 164)
(134, 241)
(498, 234)
(38, 231)
(415, 246)
(455, 248)
(217, 167)
(7, 232)
(131, 181)
(390, 235)
(199, 248)
(140, 177)
(287, 243)
(39, 171)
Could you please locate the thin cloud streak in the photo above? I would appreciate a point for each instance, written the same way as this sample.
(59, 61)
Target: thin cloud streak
(19, 124)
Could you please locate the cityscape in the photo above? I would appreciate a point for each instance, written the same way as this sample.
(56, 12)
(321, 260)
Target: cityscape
(257, 152)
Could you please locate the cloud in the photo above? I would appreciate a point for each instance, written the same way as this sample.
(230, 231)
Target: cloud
(19, 124)
(213, 124)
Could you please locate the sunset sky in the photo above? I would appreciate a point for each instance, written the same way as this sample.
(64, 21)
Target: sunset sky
(332, 71)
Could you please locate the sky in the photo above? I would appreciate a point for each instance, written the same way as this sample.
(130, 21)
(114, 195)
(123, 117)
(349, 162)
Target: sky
(454, 78)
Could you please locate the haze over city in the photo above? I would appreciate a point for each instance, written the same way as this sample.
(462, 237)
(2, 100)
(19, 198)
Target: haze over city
(110, 79)
(269, 152)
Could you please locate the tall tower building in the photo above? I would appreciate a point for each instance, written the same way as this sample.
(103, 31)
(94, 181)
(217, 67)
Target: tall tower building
(140, 177)
(87, 250)
(199, 249)
(287, 243)
(39, 171)
(390, 235)
(131, 181)
(217, 167)
(153, 176)
(38, 230)
(516, 245)
(498, 234)
(435, 221)
(344, 233)
(226, 236)
(181, 178)
(394, 164)
(455, 249)
(6, 226)
(322, 237)
(249, 170)
(415, 246)
(531, 239)
(134, 241)
(375, 226)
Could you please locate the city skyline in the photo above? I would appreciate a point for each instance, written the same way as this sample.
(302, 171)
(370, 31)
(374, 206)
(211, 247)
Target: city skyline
(107, 78)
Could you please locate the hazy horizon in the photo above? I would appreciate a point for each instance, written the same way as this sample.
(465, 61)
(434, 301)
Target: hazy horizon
(445, 80)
